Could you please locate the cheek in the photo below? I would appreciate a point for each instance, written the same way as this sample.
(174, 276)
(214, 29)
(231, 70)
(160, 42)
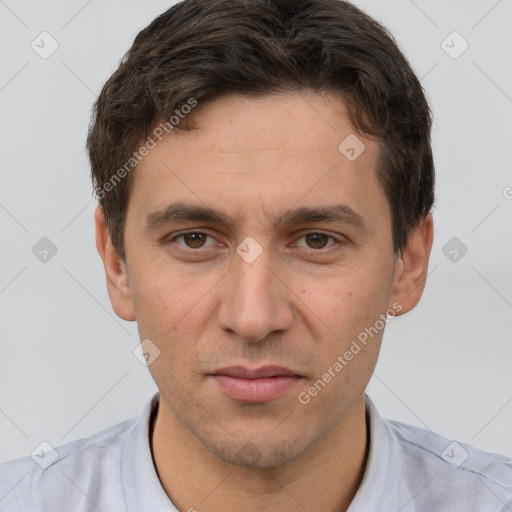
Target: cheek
(166, 297)
(171, 311)
(348, 309)
(348, 299)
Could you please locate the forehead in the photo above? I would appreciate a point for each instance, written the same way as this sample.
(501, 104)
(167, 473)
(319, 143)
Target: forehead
(261, 154)
(305, 122)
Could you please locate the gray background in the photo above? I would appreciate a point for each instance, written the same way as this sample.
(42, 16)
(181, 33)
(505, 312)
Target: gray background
(67, 369)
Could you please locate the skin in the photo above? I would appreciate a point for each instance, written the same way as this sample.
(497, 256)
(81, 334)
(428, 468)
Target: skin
(300, 304)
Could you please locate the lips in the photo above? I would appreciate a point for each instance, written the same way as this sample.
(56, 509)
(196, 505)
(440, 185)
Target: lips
(266, 371)
(255, 385)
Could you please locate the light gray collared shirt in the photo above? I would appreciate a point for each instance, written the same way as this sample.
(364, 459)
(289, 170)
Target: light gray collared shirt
(409, 469)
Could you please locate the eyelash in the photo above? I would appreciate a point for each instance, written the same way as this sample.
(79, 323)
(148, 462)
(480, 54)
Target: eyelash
(337, 242)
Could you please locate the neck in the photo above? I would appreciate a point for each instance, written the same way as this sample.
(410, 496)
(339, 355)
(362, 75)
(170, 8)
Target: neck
(325, 477)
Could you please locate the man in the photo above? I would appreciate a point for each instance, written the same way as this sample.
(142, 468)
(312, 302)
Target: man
(265, 183)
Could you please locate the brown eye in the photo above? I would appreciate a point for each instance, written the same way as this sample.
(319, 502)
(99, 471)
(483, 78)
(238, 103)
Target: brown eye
(317, 240)
(194, 240)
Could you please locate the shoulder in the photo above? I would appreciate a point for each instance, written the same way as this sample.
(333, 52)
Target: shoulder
(451, 470)
(66, 475)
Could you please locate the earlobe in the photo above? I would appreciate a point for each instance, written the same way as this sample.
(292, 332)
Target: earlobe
(118, 285)
(412, 266)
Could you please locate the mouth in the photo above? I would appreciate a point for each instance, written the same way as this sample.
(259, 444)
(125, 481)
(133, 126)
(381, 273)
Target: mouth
(255, 385)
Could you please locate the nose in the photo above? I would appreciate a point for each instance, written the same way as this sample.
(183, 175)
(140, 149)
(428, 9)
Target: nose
(256, 299)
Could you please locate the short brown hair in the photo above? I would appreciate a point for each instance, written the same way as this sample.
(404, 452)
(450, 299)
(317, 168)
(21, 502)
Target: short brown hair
(205, 49)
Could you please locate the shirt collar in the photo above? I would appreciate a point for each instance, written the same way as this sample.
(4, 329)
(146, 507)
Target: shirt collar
(378, 489)
(141, 485)
(144, 492)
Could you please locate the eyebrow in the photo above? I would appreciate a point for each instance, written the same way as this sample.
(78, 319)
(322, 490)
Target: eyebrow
(187, 212)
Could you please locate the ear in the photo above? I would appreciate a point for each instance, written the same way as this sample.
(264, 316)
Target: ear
(412, 266)
(115, 270)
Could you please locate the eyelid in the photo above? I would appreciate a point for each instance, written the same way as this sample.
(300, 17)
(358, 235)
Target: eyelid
(174, 237)
(338, 241)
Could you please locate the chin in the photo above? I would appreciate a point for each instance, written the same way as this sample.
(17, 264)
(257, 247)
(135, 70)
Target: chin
(261, 453)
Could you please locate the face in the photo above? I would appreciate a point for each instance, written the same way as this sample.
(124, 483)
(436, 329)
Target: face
(282, 257)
